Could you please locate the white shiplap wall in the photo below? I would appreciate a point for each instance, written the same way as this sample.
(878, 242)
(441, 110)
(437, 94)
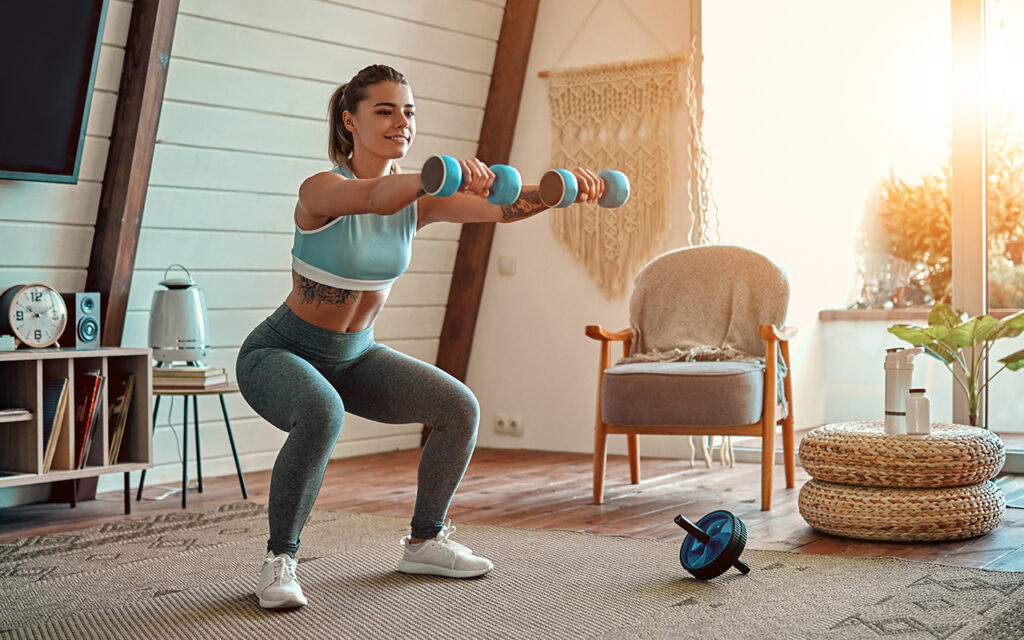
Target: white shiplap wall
(243, 123)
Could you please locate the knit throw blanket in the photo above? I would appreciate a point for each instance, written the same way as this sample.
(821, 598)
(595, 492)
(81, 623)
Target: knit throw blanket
(615, 116)
(690, 354)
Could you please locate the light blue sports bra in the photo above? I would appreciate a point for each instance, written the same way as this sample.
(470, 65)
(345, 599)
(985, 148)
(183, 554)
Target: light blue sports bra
(361, 252)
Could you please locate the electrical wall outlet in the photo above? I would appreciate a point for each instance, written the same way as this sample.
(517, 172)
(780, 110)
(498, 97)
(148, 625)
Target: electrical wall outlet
(508, 425)
(515, 425)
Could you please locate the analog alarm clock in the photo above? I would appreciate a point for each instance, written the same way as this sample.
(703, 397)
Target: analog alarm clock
(34, 314)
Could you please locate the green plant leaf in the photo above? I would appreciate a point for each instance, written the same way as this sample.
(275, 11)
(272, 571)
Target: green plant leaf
(941, 352)
(972, 332)
(1014, 361)
(917, 336)
(1009, 327)
(943, 315)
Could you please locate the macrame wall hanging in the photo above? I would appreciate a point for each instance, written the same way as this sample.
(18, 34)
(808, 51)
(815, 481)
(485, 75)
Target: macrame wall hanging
(703, 210)
(616, 116)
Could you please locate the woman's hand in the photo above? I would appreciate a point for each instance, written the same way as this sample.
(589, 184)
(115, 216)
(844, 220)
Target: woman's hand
(477, 177)
(590, 186)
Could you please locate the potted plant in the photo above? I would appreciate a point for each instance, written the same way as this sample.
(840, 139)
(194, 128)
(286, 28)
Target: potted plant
(950, 332)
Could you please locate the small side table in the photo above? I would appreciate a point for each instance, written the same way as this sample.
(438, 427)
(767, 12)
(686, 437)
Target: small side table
(158, 392)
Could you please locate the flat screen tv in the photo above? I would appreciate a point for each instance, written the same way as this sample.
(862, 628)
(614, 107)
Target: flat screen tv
(48, 55)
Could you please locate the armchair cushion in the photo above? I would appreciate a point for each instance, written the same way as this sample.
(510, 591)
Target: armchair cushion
(702, 393)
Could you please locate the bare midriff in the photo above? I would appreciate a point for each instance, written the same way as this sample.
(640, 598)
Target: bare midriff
(335, 309)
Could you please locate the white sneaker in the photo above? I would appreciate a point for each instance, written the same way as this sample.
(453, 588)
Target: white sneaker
(278, 587)
(442, 557)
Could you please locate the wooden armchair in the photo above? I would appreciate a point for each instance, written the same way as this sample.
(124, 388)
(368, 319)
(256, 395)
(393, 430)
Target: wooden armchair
(700, 298)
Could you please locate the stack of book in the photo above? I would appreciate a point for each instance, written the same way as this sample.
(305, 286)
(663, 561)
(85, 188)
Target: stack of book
(121, 392)
(186, 377)
(55, 414)
(88, 400)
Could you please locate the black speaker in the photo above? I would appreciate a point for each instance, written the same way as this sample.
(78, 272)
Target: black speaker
(83, 320)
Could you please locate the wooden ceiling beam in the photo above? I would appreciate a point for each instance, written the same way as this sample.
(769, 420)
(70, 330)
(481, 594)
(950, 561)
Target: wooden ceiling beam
(493, 147)
(126, 178)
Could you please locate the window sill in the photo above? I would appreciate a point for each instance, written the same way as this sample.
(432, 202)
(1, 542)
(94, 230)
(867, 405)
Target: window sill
(906, 314)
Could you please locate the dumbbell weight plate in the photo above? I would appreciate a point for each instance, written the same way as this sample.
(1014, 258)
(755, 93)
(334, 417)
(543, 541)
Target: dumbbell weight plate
(616, 189)
(441, 176)
(728, 537)
(558, 188)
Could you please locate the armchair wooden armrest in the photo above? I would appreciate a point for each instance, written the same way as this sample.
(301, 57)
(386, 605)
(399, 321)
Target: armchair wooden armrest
(770, 331)
(606, 338)
(596, 332)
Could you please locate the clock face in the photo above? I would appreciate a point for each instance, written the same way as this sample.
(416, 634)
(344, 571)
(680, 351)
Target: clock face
(37, 315)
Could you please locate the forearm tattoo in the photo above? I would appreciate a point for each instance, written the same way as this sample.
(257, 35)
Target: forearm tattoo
(321, 293)
(528, 204)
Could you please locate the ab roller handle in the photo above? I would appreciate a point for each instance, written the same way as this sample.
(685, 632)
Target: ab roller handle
(442, 176)
(559, 188)
(714, 544)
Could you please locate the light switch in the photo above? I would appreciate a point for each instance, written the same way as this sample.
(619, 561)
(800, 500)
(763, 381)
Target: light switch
(507, 265)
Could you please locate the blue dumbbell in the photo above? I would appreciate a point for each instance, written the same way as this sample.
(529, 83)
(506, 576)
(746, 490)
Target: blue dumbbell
(442, 176)
(559, 188)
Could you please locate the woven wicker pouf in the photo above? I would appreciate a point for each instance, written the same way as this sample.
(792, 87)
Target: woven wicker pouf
(878, 513)
(861, 453)
(874, 486)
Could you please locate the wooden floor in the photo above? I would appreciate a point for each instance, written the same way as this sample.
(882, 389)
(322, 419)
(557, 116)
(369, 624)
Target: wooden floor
(550, 490)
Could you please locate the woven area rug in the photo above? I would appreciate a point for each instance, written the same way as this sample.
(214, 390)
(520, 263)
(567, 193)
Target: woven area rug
(190, 574)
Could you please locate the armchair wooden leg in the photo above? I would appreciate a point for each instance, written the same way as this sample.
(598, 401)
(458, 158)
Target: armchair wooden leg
(633, 441)
(767, 461)
(788, 453)
(600, 450)
(768, 422)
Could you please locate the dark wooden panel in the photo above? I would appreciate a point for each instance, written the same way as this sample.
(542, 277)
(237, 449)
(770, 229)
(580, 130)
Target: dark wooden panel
(126, 178)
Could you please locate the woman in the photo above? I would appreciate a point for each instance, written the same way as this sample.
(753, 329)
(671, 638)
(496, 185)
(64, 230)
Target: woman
(315, 357)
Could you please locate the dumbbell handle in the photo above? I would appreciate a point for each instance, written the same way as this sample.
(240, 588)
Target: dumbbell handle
(704, 538)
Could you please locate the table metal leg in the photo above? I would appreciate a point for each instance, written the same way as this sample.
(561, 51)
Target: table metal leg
(142, 478)
(127, 494)
(234, 451)
(184, 457)
(74, 493)
(199, 456)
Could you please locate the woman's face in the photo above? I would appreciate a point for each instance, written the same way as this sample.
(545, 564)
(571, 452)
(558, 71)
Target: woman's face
(384, 123)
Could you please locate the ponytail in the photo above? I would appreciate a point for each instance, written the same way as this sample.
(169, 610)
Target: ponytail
(339, 146)
(347, 98)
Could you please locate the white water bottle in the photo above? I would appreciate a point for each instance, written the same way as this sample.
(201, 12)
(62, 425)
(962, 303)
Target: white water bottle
(899, 370)
(919, 420)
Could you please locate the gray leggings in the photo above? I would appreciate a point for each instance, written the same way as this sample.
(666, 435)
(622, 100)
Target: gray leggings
(302, 379)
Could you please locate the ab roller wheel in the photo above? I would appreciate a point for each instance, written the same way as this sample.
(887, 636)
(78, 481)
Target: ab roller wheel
(559, 188)
(442, 176)
(713, 545)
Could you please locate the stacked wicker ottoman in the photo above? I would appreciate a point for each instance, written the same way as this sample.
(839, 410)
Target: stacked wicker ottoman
(874, 486)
